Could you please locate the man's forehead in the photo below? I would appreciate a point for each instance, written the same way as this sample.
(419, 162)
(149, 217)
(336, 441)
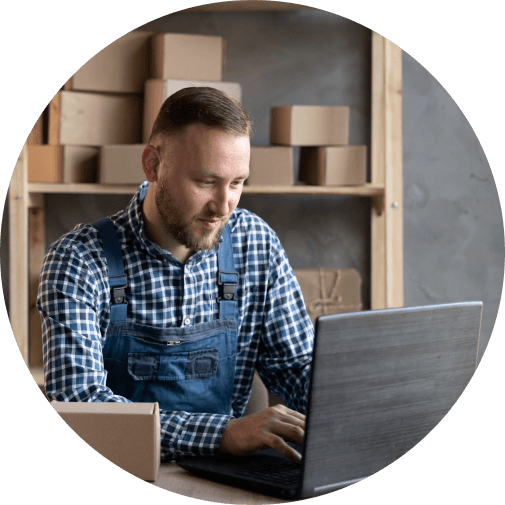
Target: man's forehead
(208, 172)
(198, 131)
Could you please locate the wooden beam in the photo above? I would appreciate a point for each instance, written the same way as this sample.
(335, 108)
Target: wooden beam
(378, 218)
(18, 253)
(387, 170)
(394, 175)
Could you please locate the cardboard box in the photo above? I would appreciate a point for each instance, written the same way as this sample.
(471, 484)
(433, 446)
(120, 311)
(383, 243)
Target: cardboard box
(314, 125)
(121, 164)
(94, 119)
(185, 56)
(330, 290)
(158, 90)
(333, 166)
(62, 163)
(121, 67)
(271, 166)
(38, 135)
(127, 434)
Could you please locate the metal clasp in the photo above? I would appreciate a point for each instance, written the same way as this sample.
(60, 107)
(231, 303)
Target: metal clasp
(118, 292)
(228, 289)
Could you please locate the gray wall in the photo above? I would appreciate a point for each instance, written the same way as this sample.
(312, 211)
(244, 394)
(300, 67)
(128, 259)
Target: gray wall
(453, 231)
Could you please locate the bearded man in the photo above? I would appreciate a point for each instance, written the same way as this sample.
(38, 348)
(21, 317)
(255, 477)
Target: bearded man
(180, 297)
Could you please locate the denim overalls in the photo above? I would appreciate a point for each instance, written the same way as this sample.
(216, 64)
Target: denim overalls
(188, 368)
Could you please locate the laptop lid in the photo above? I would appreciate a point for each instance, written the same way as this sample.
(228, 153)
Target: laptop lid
(380, 382)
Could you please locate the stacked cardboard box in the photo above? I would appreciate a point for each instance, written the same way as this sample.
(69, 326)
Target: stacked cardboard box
(326, 158)
(102, 106)
(95, 107)
(271, 166)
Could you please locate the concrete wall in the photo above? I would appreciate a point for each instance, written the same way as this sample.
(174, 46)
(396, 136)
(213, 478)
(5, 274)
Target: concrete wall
(453, 225)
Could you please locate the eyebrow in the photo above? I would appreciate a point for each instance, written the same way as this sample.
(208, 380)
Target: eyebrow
(211, 173)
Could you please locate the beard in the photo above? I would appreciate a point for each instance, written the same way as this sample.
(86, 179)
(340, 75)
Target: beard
(182, 229)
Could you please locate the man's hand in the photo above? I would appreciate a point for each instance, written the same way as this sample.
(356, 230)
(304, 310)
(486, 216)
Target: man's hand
(271, 427)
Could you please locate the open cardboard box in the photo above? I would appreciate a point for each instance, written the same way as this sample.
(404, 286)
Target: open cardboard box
(127, 434)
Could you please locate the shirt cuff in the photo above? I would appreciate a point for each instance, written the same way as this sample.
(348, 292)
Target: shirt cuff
(200, 434)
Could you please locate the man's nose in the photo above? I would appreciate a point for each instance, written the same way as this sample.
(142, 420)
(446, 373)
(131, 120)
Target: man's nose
(220, 203)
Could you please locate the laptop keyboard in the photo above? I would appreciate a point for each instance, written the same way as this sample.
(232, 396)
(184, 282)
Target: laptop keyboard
(285, 473)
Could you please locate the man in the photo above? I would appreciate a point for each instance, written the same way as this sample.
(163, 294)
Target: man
(181, 296)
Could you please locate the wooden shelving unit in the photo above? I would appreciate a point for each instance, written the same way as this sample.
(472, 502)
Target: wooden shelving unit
(26, 202)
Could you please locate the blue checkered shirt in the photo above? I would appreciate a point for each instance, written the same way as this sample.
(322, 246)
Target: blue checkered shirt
(275, 334)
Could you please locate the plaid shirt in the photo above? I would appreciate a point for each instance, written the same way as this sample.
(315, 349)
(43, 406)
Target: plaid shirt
(275, 334)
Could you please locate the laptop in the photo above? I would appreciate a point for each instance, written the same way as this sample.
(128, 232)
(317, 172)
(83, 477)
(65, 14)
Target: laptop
(381, 380)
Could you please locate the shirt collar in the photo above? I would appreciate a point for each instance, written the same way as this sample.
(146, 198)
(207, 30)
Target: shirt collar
(135, 223)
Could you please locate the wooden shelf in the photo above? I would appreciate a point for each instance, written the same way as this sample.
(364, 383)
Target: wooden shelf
(367, 190)
(45, 188)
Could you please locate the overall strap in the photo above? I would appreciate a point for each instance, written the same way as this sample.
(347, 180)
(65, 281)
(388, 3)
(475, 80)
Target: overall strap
(227, 278)
(117, 277)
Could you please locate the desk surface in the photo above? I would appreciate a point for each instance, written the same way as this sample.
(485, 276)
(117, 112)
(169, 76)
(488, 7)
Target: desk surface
(173, 478)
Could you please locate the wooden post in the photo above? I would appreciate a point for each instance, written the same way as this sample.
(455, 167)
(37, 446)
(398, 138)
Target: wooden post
(387, 169)
(18, 253)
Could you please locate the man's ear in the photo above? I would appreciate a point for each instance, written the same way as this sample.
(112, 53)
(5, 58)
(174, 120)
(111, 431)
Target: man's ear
(150, 162)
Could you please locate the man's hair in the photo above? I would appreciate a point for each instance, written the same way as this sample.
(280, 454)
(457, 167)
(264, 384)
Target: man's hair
(205, 105)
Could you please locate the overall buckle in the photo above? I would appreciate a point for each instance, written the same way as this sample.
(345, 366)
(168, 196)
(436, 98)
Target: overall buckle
(228, 288)
(118, 292)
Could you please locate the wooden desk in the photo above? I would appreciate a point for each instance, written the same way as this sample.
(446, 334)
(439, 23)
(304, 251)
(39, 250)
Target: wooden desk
(173, 478)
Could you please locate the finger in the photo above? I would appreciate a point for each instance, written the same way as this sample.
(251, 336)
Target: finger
(298, 415)
(293, 413)
(292, 417)
(290, 432)
(287, 431)
(293, 420)
(279, 445)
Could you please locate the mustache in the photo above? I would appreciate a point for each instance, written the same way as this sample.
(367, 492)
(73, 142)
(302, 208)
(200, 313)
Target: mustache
(211, 217)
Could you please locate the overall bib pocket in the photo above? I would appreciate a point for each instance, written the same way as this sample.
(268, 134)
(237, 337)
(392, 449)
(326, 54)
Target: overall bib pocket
(178, 366)
(196, 374)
